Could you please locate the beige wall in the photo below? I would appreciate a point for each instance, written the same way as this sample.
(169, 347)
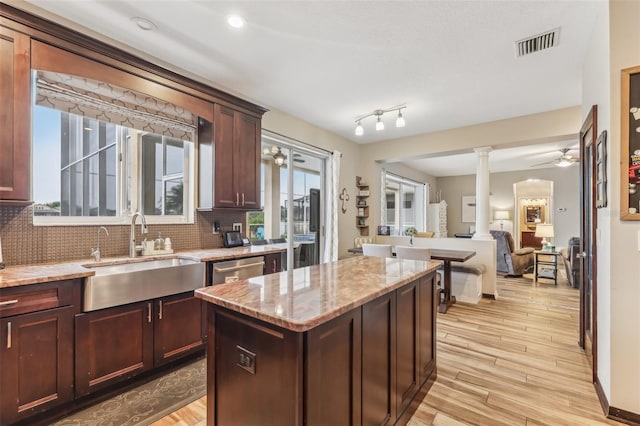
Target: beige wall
(565, 196)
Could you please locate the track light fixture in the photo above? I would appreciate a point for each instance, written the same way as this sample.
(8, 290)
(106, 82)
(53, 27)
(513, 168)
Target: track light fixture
(379, 123)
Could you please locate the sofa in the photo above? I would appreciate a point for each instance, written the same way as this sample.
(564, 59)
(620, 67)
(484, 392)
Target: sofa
(571, 262)
(511, 261)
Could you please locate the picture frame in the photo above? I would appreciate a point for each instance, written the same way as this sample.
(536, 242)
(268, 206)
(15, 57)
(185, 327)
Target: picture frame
(601, 170)
(384, 230)
(469, 208)
(630, 144)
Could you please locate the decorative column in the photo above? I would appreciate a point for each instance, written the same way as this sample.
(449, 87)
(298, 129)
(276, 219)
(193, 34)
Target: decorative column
(482, 194)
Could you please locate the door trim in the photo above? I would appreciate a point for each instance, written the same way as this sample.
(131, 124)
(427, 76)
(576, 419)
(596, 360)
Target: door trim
(589, 125)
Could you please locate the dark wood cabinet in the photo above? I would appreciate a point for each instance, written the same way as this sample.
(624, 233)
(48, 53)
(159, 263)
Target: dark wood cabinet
(36, 348)
(379, 366)
(112, 345)
(236, 159)
(273, 263)
(15, 116)
(179, 327)
(407, 345)
(369, 365)
(118, 343)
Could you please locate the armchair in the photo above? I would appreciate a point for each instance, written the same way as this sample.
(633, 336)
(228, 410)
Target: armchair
(509, 260)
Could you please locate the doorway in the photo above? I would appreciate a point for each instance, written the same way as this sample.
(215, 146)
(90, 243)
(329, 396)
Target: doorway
(588, 255)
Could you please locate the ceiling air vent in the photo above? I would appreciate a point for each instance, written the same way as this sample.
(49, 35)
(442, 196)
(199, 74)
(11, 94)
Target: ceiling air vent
(537, 43)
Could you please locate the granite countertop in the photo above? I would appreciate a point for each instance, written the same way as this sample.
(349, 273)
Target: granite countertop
(14, 276)
(304, 298)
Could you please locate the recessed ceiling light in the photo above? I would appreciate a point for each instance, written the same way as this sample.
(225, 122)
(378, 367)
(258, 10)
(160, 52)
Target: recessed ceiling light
(236, 21)
(144, 24)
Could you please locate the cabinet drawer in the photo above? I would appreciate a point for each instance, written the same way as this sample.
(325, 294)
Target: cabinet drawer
(36, 297)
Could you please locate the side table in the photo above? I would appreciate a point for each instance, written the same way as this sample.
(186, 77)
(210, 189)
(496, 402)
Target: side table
(546, 265)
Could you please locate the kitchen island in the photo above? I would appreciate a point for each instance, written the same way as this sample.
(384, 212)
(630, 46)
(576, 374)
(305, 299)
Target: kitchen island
(347, 342)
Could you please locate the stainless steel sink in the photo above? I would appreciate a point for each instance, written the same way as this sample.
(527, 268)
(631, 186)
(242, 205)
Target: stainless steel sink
(115, 285)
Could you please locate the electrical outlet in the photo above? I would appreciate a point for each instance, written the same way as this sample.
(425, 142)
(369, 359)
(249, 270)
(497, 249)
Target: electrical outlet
(216, 227)
(237, 227)
(246, 360)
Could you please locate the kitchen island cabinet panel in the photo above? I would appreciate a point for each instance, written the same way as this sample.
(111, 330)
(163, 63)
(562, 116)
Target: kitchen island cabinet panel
(179, 327)
(427, 326)
(37, 362)
(112, 345)
(378, 366)
(257, 365)
(407, 346)
(333, 374)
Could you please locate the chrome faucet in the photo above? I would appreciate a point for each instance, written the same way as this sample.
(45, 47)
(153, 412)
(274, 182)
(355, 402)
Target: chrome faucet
(132, 238)
(95, 252)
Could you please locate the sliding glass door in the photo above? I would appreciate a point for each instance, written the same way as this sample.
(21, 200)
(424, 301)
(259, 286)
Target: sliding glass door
(293, 188)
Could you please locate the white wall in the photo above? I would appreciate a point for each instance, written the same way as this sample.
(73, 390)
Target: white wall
(596, 91)
(623, 278)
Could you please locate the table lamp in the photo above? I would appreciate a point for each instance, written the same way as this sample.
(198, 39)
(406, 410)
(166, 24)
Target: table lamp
(544, 230)
(502, 215)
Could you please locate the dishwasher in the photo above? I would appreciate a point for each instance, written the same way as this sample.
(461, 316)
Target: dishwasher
(236, 270)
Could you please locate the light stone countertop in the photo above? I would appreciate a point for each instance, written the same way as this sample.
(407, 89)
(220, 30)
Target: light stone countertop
(304, 298)
(14, 276)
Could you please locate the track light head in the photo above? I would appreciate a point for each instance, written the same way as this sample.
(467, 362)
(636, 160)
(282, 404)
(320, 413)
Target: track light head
(359, 129)
(379, 123)
(400, 120)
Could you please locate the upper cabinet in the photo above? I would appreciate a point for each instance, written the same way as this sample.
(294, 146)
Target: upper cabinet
(15, 139)
(230, 160)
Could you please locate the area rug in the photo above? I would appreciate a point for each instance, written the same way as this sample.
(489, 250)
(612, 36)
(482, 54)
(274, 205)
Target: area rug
(148, 402)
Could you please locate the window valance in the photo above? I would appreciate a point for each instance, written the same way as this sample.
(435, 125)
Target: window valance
(110, 103)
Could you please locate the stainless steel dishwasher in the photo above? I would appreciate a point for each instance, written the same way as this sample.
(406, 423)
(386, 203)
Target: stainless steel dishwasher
(239, 269)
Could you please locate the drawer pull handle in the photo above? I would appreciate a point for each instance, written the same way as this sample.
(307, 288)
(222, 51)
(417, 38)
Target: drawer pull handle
(236, 268)
(243, 198)
(160, 309)
(8, 302)
(149, 313)
(237, 199)
(9, 335)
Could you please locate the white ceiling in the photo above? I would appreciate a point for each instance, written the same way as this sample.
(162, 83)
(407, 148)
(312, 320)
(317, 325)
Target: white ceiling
(451, 62)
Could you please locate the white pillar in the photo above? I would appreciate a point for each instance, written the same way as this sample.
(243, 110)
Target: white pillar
(482, 194)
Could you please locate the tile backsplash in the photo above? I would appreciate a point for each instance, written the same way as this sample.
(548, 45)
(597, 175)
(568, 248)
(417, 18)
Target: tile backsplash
(26, 244)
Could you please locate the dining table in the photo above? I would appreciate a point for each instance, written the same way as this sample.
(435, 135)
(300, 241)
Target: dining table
(446, 256)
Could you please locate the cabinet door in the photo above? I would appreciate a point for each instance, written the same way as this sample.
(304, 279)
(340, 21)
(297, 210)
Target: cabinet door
(112, 345)
(272, 263)
(333, 372)
(225, 194)
(407, 375)
(427, 326)
(15, 120)
(178, 327)
(247, 160)
(378, 361)
(36, 354)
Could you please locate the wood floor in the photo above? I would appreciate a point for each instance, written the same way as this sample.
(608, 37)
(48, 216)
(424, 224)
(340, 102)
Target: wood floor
(511, 361)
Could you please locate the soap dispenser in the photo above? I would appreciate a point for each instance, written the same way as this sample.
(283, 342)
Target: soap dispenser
(159, 243)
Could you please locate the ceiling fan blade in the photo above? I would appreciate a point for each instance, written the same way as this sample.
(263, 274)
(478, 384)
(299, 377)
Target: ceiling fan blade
(542, 164)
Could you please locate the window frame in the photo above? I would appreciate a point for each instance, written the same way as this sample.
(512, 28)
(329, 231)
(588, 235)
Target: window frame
(421, 223)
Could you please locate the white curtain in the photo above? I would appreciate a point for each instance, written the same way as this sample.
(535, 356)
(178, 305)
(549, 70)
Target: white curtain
(333, 191)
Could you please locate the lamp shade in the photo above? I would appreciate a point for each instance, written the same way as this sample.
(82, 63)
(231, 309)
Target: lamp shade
(502, 215)
(544, 230)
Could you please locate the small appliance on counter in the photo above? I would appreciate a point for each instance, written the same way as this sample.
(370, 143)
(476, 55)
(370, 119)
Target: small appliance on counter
(232, 239)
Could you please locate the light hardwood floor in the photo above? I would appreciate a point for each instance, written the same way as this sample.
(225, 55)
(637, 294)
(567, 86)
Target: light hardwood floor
(511, 361)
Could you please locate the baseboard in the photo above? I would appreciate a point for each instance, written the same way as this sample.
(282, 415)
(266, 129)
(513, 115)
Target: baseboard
(614, 413)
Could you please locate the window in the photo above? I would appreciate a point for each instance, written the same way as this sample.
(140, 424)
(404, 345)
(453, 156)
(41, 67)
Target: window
(93, 163)
(405, 204)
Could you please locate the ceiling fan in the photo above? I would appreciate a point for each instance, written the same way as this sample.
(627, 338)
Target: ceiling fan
(279, 157)
(564, 160)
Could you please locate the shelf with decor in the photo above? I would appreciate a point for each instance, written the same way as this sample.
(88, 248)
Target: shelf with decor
(362, 206)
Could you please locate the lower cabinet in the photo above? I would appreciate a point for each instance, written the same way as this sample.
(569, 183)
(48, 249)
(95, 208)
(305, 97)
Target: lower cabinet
(115, 344)
(37, 363)
(36, 347)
